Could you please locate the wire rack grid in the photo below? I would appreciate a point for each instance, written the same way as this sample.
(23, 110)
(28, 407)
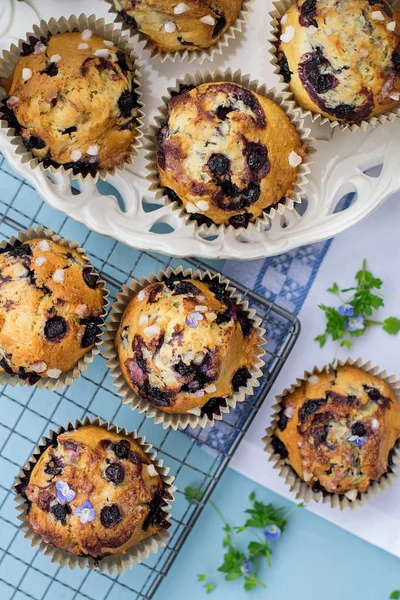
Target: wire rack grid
(27, 413)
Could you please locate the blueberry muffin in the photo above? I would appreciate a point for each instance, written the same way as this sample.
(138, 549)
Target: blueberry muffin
(172, 25)
(73, 100)
(338, 430)
(185, 345)
(227, 154)
(342, 59)
(94, 493)
(50, 309)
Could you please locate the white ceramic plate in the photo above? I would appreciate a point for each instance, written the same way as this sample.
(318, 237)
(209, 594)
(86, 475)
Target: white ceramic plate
(338, 168)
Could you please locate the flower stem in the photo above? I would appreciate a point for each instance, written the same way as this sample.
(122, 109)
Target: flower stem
(219, 513)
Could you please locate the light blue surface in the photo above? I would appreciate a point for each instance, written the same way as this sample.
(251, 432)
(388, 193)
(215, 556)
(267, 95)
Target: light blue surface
(314, 560)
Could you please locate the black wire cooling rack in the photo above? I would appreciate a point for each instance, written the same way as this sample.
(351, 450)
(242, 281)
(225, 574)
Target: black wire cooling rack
(26, 413)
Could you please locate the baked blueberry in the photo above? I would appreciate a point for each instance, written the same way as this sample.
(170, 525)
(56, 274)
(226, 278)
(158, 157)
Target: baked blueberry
(219, 164)
(60, 512)
(55, 329)
(240, 378)
(122, 449)
(127, 102)
(307, 13)
(114, 473)
(110, 516)
(92, 330)
(156, 517)
(90, 277)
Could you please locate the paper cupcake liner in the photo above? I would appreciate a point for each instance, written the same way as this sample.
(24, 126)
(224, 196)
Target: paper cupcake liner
(291, 111)
(296, 484)
(112, 564)
(280, 8)
(152, 412)
(63, 25)
(83, 363)
(191, 55)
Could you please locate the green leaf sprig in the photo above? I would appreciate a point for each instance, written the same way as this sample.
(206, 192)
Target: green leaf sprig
(244, 564)
(395, 595)
(353, 317)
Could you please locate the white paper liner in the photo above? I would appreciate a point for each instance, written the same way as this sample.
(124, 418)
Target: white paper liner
(280, 8)
(63, 25)
(191, 55)
(152, 412)
(297, 485)
(282, 99)
(83, 363)
(112, 564)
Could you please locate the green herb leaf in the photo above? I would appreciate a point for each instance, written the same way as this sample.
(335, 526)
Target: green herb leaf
(257, 549)
(365, 300)
(262, 515)
(201, 577)
(346, 344)
(193, 494)
(392, 326)
(321, 339)
(209, 587)
(249, 584)
(233, 560)
(334, 289)
(395, 595)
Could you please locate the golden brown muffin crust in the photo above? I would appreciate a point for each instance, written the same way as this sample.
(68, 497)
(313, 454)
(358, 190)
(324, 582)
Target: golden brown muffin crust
(338, 428)
(112, 473)
(185, 346)
(50, 309)
(342, 58)
(226, 153)
(173, 25)
(74, 107)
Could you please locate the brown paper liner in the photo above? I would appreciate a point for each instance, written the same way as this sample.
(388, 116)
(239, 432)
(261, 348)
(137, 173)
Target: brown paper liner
(83, 363)
(192, 55)
(297, 485)
(63, 25)
(291, 111)
(112, 564)
(280, 8)
(135, 402)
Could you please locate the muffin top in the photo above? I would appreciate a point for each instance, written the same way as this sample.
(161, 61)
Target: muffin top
(227, 153)
(342, 59)
(337, 430)
(172, 25)
(72, 99)
(94, 493)
(50, 309)
(185, 345)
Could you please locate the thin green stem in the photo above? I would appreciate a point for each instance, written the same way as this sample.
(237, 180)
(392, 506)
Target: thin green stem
(219, 513)
(370, 322)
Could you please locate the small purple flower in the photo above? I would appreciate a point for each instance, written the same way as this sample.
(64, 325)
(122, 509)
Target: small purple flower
(86, 512)
(247, 567)
(193, 319)
(272, 532)
(64, 492)
(346, 310)
(357, 440)
(355, 324)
